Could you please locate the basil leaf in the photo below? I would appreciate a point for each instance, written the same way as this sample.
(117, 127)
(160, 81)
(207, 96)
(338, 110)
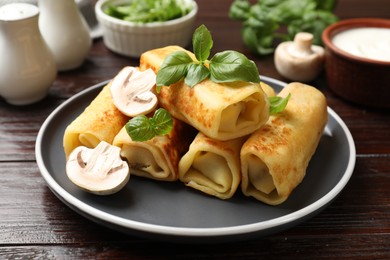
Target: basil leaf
(239, 10)
(162, 122)
(314, 22)
(142, 128)
(258, 41)
(290, 10)
(327, 5)
(202, 43)
(278, 104)
(174, 68)
(229, 66)
(196, 73)
(139, 128)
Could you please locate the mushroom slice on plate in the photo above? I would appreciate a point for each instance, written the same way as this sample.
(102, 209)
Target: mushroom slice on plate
(131, 91)
(100, 170)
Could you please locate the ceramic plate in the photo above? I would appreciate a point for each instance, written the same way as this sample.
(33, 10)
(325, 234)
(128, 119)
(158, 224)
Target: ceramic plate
(174, 212)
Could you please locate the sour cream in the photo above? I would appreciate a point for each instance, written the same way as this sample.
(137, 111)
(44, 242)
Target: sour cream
(366, 42)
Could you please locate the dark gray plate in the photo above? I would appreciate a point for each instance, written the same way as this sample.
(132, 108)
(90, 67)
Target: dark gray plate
(173, 212)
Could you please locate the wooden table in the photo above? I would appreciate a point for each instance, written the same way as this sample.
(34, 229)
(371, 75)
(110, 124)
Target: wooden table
(34, 223)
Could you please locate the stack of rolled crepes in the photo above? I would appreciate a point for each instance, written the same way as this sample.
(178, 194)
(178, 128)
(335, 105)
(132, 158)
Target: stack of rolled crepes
(223, 136)
(102, 121)
(224, 114)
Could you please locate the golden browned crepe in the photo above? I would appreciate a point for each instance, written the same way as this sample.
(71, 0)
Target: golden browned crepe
(100, 121)
(222, 111)
(212, 166)
(268, 90)
(157, 158)
(274, 158)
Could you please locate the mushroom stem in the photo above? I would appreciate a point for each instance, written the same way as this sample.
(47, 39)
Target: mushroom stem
(302, 45)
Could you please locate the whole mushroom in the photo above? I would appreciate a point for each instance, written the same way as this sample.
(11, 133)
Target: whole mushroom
(299, 60)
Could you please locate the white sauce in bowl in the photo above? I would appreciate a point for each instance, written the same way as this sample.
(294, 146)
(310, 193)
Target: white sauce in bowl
(366, 42)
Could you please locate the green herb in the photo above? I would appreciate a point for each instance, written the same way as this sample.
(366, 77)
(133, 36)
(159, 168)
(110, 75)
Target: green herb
(227, 66)
(147, 11)
(278, 104)
(262, 21)
(141, 128)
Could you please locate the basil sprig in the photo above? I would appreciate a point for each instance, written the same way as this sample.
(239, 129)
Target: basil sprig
(262, 20)
(141, 128)
(227, 66)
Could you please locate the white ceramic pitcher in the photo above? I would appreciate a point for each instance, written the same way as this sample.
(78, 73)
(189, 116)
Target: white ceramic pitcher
(65, 31)
(27, 67)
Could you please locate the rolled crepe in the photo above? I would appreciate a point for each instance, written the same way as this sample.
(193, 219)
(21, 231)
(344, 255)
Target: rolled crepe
(157, 158)
(274, 159)
(212, 166)
(222, 111)
(100, 121)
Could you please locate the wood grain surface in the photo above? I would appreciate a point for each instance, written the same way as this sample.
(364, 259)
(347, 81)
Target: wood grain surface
(35, 224)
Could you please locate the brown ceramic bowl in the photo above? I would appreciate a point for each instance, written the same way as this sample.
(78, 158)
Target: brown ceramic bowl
(360, 80)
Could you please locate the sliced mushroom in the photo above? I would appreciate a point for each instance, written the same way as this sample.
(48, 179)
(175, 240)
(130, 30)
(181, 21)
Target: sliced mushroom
(100, 170)
(299, 60)
(131, 91)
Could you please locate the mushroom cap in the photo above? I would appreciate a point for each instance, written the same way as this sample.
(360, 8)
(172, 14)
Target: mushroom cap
(131, 91)
(100, 170)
